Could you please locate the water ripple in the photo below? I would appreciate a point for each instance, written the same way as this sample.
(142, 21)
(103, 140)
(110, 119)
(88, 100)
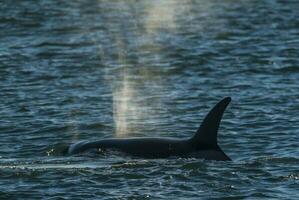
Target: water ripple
(75, 70)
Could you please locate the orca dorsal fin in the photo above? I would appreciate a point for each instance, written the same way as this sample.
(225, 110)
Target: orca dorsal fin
(207, 132)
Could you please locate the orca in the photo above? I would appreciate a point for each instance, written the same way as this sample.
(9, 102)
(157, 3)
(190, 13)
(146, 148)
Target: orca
(202, 145)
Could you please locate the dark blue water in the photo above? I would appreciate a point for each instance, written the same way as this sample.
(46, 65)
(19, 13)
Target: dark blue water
(75, 70)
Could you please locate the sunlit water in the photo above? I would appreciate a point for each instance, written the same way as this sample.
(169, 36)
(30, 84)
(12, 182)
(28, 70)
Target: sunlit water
(75, 70)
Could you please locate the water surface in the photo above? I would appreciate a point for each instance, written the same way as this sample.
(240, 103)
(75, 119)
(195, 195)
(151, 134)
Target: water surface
(75, 70)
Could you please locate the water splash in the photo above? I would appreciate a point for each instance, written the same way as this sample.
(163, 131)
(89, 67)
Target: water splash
(131, 107)
(123, 106)
(161, 14)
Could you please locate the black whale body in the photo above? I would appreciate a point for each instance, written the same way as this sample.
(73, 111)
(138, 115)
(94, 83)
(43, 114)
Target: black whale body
(202, 145)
